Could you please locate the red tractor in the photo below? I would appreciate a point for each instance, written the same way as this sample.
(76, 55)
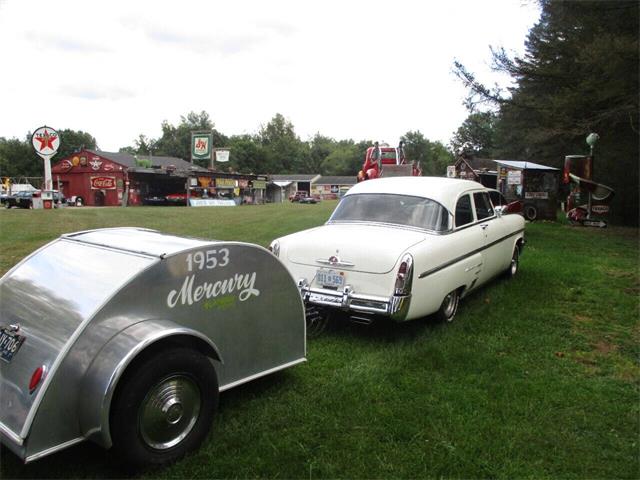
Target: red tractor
(381, 160)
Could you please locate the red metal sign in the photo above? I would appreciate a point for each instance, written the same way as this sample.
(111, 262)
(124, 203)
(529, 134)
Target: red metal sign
(103, 183)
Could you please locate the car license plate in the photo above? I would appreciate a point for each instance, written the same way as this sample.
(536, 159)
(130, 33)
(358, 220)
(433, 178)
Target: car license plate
(330, 278)
(10, 343)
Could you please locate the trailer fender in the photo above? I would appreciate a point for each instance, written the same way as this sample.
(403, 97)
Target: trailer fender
(107, 368)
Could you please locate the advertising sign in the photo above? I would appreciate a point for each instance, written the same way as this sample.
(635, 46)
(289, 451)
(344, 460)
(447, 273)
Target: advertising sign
(514, 177)
(201, 146)
(259, 184)
(226, 183)
(536, 195)
(103, 183)
(222, 156)
(451, 171)
(46, 141)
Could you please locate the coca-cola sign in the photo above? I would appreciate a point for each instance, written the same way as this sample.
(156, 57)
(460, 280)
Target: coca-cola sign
(103, 183)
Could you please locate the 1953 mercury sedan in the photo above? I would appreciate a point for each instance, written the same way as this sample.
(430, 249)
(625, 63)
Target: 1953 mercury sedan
(403, 248)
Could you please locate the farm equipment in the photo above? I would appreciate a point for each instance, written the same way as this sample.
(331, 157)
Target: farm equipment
(381, 160)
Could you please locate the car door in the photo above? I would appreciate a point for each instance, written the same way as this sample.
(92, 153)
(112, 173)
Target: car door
(467, 243)
(493, 230)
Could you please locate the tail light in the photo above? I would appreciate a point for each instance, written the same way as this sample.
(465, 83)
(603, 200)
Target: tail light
(37, 377)
(404, 277)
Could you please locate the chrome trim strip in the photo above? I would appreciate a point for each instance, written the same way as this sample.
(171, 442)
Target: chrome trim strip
(335, 264)
(467, 255)
(11, 435)
(261, 374)
(51, 450)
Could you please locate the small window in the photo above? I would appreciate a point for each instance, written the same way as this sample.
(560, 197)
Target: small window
(483, 205)
(464, 214)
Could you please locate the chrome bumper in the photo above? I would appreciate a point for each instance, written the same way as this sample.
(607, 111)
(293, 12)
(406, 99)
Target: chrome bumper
(396, 307)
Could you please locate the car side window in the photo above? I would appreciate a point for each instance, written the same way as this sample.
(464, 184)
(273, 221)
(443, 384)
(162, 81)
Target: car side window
(483, 205)
(464, 213)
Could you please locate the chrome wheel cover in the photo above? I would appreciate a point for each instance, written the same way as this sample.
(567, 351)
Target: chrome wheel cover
(514, 263)
(169, 411)
(450, 304)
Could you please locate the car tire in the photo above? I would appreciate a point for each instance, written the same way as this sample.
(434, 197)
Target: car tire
(448, 307)
(530, 212)
(7, 205)
(164, 408)
(514, 264)
(79, 202)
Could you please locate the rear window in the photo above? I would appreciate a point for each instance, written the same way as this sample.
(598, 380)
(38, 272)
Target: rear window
(404, 210)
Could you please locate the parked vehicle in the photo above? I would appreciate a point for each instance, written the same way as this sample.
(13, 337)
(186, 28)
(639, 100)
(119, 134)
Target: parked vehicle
(22, 199)
(308, 200)
(381, 160)
(502, 205)
(126, 336)
(402, 248)
(176, 199)
(299, 195)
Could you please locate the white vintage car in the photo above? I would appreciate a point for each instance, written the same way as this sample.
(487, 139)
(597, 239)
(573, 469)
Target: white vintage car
(404, 248)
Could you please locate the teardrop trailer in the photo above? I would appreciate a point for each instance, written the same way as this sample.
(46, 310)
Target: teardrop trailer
(125, 337)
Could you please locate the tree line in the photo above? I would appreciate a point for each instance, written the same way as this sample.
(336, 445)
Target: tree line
(579, 74)
(274, 149)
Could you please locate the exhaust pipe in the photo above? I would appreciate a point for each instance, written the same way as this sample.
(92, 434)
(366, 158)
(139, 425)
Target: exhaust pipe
(360, 319)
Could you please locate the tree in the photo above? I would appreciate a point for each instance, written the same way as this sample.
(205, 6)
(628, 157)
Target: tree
(476, 135)
(72, 141)
(284, 152)
(433, 156)
(579, 75)
(18, 158)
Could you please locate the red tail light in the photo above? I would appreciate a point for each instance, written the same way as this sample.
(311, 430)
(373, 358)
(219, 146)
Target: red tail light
(37, 377)
(404, 277)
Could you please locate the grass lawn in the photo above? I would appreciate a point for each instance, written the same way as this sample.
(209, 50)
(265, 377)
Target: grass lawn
(536, 377)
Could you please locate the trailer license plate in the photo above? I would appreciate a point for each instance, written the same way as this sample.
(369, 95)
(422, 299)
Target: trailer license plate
(330, 278)
(10, 343)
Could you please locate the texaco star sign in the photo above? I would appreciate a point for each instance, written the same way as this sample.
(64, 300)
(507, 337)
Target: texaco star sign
(46, 141)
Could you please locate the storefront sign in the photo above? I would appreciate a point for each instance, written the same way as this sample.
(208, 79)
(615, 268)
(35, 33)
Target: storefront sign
(103, 183)
(201, 146)
(211, 202)
(205, 182)
(514, 177)
(226, 183)
(259, 184)
(536, 195)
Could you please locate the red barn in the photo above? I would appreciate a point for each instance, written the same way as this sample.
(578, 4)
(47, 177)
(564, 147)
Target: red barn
(102, 178)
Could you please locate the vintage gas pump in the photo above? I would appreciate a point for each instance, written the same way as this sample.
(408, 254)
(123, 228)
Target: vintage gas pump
(588, 201)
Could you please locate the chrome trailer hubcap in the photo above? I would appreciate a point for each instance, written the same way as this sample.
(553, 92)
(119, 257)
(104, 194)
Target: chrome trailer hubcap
(169, 412)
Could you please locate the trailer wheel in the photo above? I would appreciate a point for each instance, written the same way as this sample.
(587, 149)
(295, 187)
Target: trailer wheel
(164, 408)
(449, 307)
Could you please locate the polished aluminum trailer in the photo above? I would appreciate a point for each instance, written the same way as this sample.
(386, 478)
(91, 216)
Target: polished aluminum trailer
(125, 337)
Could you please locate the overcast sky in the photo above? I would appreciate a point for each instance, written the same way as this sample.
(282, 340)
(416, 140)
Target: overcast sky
(346, 69)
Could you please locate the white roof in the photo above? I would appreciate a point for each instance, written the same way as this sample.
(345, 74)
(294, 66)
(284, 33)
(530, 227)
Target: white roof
(283, 184)
(441, 189)
(523, 165)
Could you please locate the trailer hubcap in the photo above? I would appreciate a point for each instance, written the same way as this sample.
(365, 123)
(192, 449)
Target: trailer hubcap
(169, 412)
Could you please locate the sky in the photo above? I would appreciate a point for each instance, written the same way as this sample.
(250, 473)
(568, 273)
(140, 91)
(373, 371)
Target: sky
(346, 69)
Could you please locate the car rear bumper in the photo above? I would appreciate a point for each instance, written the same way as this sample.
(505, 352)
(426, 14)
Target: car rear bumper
(395, 307)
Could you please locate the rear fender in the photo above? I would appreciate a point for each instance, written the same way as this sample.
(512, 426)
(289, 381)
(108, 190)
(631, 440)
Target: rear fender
(107, 368)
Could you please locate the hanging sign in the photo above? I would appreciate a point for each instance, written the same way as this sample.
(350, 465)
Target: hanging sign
(514, 177)
(201, 146)
(222, 156)
(226, 183)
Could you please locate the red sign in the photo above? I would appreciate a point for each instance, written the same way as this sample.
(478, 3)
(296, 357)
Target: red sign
(103, 183)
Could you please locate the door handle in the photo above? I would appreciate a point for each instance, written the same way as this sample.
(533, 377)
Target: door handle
(484, 226)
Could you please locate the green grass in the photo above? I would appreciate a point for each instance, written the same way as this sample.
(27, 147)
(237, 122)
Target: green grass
(538, 377)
